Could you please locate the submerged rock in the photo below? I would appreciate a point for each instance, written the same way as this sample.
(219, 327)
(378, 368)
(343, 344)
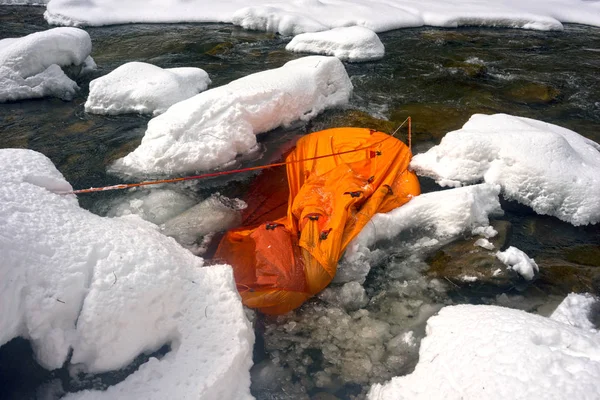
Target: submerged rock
(465, 262)
(431, 121)
(533, 92)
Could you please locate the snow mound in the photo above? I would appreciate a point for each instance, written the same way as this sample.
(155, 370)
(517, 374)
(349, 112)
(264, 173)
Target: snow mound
(427, 220)
(551, 169)
(30, 66)
(519, 262)
(297, 16)
(211, 128)
(108, 289)
(489, 352)
(138, 87)
(353, 44)
(576, 310)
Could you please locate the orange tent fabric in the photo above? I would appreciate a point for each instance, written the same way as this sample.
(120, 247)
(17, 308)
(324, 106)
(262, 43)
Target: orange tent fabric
(288, 251)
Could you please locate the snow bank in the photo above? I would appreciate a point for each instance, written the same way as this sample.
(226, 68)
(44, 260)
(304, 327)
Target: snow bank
(211, 128)
(297, 16)
(576, 310)
(354, 44)
(30, 66)
(488, 352)
(23, 2)
(138, 87)
(553, 170)
(111, 288)
(519, 262)
(427, 220)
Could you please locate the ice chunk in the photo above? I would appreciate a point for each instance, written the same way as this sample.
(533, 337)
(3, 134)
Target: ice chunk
(485, 352)
(153, 205)
(518, 261)
(215, 214)
(486, 244)
(576, 310)
(350, 296)
(211, 128)
(553, 170)
(138, 87)
(30, 66)
(108, 289)
(353, 44)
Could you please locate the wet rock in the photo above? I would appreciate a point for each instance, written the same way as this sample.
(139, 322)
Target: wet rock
(533, 92)
(324, 396)
(355, 118)
(472, 69)
(562, 277)
(463, 263)
(220, 49)
(446, 37)
(281, 56)
(431, 121)
(584, 255)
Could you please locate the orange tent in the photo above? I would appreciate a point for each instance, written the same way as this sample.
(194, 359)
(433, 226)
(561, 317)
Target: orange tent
(296, 231)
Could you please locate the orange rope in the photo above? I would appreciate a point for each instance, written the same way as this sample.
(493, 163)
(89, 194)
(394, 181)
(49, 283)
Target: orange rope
(409, 133)
(220, 173)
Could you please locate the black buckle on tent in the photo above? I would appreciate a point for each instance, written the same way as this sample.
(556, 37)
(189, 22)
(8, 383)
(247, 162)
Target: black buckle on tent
(389, 188)
(354, 194)
(313, 216)
(371, 179)
(271, 226)
(324, 234)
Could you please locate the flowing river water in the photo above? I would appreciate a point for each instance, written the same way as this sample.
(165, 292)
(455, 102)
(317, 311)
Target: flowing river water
(440, 77)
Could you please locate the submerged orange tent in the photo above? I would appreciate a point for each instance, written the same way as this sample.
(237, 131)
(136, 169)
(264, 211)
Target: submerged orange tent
(296, 231)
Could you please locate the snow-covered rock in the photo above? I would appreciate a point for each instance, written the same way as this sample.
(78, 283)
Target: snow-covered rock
(553, 170)
(108, 289)
(138, 87)
(30, 66)
(489, 352)
(518, 261)
(353, 44)
(291, 17)
(427, 220)
(211, 128)
(576, 310)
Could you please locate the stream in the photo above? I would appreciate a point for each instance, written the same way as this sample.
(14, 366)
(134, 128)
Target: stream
(339, 344)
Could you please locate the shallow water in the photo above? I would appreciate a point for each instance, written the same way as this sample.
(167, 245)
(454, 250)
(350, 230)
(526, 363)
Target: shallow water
(439, 77)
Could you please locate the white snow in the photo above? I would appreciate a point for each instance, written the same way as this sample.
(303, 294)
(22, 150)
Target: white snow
(138, 87)
(353, 44)
(111, 288)
(489, 352)
(297, 16)
(553, 170)
(211, 128)
(486, 244)
(518, 261)
(575, 310)
(427, 220)
(30, 66)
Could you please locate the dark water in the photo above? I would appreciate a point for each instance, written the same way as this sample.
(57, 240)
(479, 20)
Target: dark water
(439, 77)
